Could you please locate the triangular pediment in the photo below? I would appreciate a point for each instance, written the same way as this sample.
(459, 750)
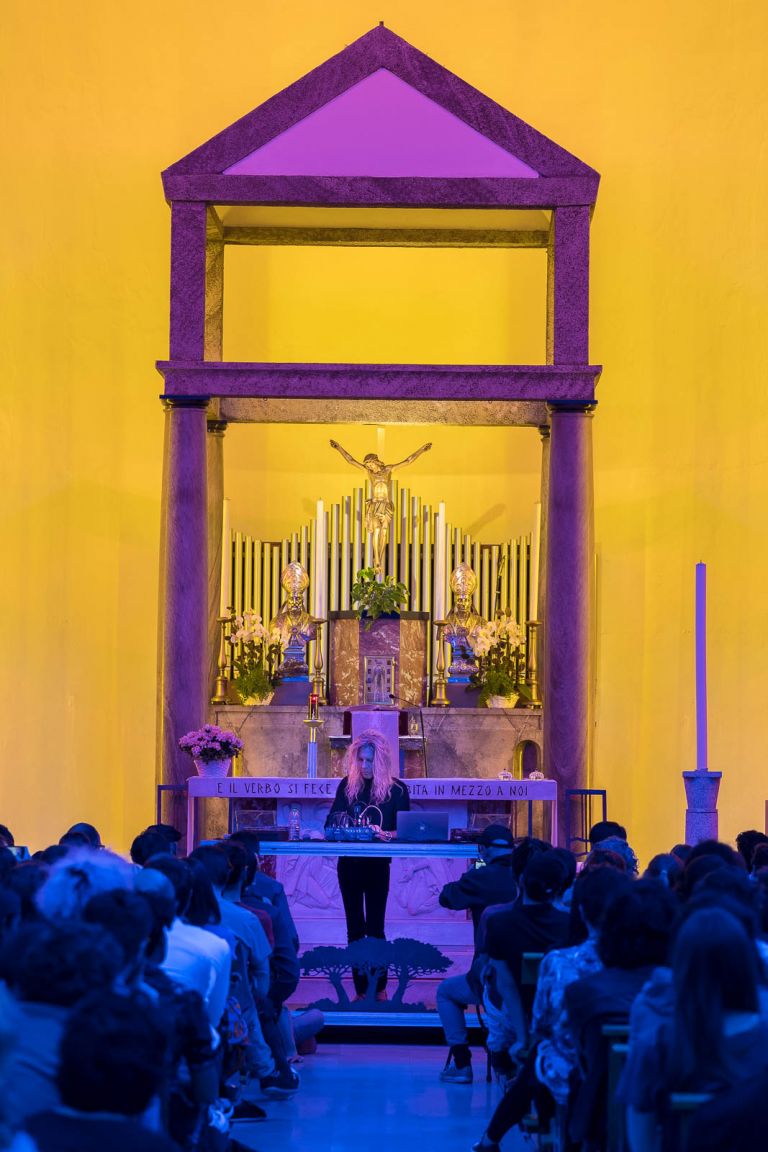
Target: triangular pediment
(381, 126)
(381, 108)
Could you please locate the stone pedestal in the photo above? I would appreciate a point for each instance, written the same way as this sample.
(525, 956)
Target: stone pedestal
(402, 639)
(701, 789)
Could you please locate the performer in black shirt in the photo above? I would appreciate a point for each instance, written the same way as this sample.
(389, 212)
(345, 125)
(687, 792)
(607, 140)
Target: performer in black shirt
(368, 791)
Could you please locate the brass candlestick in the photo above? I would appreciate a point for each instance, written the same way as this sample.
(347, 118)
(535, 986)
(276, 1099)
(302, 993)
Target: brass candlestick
(221, 683)
(439, 698)
(532, 663)
(318, 682)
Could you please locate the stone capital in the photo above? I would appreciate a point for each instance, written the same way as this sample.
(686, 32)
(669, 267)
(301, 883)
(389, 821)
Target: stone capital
(217, 427)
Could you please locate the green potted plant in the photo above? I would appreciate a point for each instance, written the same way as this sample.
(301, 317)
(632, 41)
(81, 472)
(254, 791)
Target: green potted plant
(255, 654)
(372, 597)
(497, 646)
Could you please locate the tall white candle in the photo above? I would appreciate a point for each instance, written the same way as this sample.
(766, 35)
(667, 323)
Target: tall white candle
(225, 600)
(535, 554)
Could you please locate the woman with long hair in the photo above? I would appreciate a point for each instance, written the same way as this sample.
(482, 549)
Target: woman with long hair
(369, 792)
(717, 1037)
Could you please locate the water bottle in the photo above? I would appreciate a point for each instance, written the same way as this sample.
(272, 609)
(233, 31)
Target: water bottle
(294, 823)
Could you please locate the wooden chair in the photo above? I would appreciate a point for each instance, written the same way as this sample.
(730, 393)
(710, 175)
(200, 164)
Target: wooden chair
(682, 1106)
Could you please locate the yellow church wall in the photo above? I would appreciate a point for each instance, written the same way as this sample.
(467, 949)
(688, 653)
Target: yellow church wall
(666, 101)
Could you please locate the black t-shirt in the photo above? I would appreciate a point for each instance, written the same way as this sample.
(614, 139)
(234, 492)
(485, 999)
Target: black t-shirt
(525, 928)
(397, 801)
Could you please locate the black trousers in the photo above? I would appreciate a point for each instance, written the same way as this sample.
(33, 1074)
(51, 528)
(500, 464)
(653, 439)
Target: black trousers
(364, 885)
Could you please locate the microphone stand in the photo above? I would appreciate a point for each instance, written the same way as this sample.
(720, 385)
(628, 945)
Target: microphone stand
(414, 704)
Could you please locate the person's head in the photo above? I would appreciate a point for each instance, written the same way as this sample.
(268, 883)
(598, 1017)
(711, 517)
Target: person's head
(369, 758)
(681, 852)
(747, 841)
(714, 971)
(606, 830)
(620, 848)
(214, 860)
(172, 835)
(48, 963)
(160, 895)
(542, 878)
(148, 844)
(665, 868)
(567, 862)
(601, 857)
(731, 884)
(637, 926)
(594, 891)
(128, 919)
(760, 857)
(696, 868)
(81, 874)
(203, 907)
(26, 880)
(242, 864)
(496, 843)
(716, 848)
(92, 838)
(113, 1055)
(523, 851)
(177, 872)
(51, 855)
(6, 837)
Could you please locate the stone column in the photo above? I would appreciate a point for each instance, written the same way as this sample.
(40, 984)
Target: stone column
(567, 693)
(215, 469)
(185, 634)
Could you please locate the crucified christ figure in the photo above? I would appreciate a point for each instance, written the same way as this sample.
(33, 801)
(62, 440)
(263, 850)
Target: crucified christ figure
(379, 510)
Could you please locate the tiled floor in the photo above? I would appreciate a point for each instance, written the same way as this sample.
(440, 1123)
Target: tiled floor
(356, 1097)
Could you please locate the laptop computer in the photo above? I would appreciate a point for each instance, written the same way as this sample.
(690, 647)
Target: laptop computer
(422, 827)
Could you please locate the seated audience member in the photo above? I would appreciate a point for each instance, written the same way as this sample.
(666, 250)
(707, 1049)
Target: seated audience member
(268, 1062)
(7, 863)
(552, 1056)
(92, 837)
(666, 868)
(716, 848)
(262, 891)
(731, 1119)
(477, 889)
(48, 968)
(532, 924)
(694, 871)
(759, 858)
(620, 847)
(172, 835)
(6, 837)
(51, 855)
(717, 1037)
(605, 830)
(149, 844)
(10, 912)
(632, 942)
(78, 876)
(113, 1066)
(747, 842)
(681, 852)
(524, 849)
(194, 957)
(569, 866)
(26, 880)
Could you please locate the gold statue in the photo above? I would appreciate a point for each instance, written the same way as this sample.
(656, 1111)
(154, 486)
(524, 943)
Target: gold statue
(379, 510)
(462, 623)
(295, 626)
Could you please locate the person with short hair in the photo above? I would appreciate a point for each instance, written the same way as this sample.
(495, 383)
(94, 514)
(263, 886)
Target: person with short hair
(113, 1065)
(605, 830)
(477, 889)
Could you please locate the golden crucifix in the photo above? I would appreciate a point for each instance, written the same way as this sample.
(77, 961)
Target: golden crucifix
(379, 510)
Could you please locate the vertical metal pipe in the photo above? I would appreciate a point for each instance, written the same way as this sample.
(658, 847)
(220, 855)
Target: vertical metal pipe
(403, 533)
(427, 604)
(415, 554)
(275, 578)
(247, 574)
(304, 549)
(486, 608)
(238, 596)
(266, 583)
(294, 547)
(476, 570)
(346, 552)
(357, 532)
(333, 587)
(495, 590)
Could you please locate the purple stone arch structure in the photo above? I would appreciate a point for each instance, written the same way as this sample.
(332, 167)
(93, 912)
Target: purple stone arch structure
(380, 125)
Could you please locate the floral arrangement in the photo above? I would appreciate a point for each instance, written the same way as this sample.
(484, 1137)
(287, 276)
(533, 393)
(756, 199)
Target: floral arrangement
(497, 643)
(252, 642)
(373, 597)
(211, 743)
